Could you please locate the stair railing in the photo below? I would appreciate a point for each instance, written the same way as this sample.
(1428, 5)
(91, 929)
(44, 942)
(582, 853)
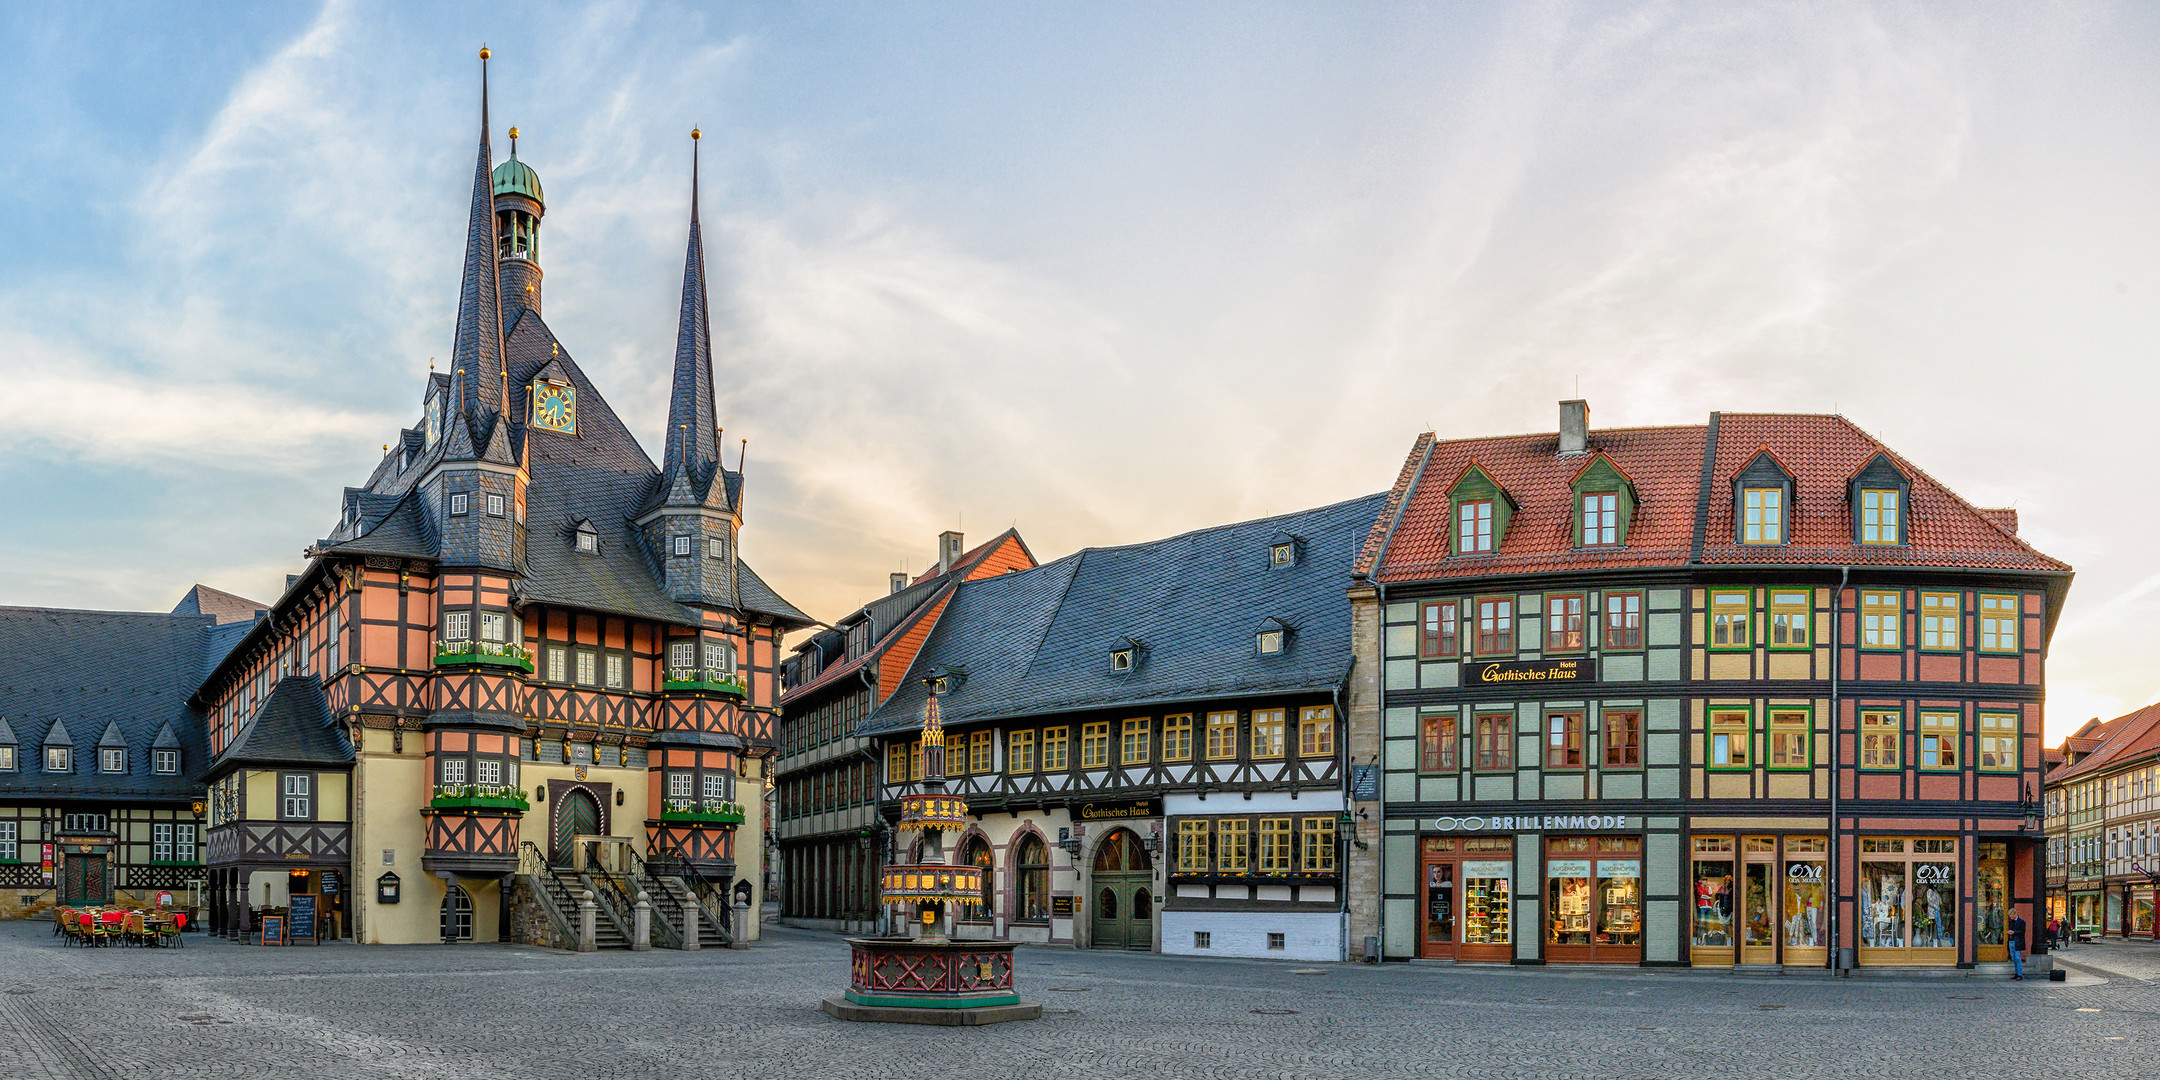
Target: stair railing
(533, 868)
(712, 896)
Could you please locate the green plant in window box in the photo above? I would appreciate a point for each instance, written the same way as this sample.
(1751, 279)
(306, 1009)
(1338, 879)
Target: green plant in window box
(479, 797)
(717, 680)
(500, 653)
(705, 812)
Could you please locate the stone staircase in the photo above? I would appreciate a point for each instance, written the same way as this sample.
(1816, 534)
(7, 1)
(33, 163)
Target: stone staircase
(565, 888)
(668, 896)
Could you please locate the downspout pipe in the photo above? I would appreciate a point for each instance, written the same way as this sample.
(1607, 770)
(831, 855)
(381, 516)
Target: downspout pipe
(1837, 775)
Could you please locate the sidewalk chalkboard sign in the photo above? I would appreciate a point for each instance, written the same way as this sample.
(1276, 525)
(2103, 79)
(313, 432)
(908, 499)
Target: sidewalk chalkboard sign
(303, 918)
(273, 930)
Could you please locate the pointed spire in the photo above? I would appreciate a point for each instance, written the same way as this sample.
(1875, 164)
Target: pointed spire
(692, 434)
(479, 347)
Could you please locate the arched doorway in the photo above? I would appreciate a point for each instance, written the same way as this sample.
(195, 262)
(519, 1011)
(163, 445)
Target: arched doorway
(1124, 900)
(457, 914)
(575, 815)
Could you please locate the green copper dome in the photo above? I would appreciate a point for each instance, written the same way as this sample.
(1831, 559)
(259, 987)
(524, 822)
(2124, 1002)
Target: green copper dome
(514, 177)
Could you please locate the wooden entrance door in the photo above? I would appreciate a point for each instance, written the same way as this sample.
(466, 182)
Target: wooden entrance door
(1758, 900)
(1124, 898)
(82, 880)
(577, 815)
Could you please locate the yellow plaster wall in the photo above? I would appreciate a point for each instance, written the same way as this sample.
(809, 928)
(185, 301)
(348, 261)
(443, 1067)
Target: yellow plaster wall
(262, 795)
(387, 797)
(330, 796)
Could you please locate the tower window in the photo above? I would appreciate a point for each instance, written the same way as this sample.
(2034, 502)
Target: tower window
(458, 502)
(495, 506)
(715, 548)
(682, 546)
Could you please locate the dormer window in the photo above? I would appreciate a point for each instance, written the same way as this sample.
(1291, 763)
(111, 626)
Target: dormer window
(112, 761)
(57, 759)
(1601, 519)
(941, 685)
(1272, 638)
(165, 762)
(1473, 527)
(1481, 512)
(1121, 659)
(1604, 503)
(1282, 555)
(1762, 515)
(588, 542)
(1880, 512)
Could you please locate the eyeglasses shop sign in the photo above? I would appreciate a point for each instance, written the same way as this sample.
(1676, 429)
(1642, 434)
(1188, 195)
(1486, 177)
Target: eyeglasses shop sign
(1541, 823)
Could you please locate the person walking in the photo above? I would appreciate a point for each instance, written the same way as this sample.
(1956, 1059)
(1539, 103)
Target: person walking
(2017, 944)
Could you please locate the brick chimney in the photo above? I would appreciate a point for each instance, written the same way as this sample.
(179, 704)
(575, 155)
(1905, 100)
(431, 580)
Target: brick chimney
(1575, 426)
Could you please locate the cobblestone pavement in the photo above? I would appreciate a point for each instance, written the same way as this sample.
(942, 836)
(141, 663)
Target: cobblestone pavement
(2115, 957)
(497, 1012)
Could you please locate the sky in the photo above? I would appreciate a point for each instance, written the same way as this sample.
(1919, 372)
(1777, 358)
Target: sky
(1105, 272)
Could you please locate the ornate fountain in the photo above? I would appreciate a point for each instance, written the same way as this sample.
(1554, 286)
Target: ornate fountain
(931, 978)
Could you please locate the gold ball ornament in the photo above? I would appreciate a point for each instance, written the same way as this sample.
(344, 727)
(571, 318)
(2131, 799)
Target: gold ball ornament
(513, 133)
(695, 134)
(483, 52)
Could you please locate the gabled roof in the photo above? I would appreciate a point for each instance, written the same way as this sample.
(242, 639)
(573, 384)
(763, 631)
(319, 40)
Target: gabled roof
(2126, 739)
(1682, 477)
(112, 739)
(80, 678)
(293, 727)
(220, 605)
(1032, 642)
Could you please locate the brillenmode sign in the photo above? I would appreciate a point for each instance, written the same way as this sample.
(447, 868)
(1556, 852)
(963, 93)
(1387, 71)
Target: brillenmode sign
(1513, 672)
(1541, 823)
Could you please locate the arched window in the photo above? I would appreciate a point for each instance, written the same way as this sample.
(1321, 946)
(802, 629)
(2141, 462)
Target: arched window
(457, 915)
(1033, 881)
(978, 854)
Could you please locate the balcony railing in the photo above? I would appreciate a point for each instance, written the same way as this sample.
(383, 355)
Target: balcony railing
(502, 653)
(718, 680)
(479, 797)
(706, 812)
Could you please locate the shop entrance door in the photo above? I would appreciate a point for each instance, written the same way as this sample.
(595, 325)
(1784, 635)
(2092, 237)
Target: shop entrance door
(1992, 932)
(1758, 900)
(82, 880)
(1806, 928)
(576, 815)
(1124, 915)
(1465, 901)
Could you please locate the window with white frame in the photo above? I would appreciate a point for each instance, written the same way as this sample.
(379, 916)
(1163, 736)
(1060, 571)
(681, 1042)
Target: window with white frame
(588, 668)
(494, 625)
(161, 843)
(458, 503)
(299, 796)
(453, 770)
(614, 668)
(9, 835)
(165, 762)
(83, 823)
(112, 761)
(682, 546)
(558, 664)
(495, 506)
(679, 785)
(457, 625)
(682, 655)
(715, 786)
(716, 548)
(184, 849)
(488, 771)
(720, 656)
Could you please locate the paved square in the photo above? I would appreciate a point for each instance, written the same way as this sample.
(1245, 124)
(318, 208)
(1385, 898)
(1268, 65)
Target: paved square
(490, 1012)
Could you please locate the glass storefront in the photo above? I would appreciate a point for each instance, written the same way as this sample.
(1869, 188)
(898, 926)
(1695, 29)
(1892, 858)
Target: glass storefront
(1759, 900)
(1467, 914)
(1713, 884)
(1807, 921)
(2114, 912)
(2141, 914)
(2086, 909)
(1908, 901)
(1992, 930)
(1593, 897)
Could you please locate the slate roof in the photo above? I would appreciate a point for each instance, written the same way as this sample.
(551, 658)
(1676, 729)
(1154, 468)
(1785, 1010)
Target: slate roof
(223, 606)
(1682, 478)
(293, 727)
(97, 674)
(1038, 641)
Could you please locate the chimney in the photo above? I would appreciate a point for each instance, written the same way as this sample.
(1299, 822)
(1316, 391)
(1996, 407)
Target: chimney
(1574, 426)
(899, 581)
(948, 549)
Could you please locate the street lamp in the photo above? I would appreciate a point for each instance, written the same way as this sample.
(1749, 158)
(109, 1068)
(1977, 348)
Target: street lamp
(2032, 809)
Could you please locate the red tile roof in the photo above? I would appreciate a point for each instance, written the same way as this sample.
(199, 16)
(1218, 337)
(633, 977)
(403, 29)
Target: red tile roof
(1682, 515)
(2120, 740)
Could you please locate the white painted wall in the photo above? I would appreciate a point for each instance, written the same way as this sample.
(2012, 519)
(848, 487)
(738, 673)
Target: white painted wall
(1306, 935)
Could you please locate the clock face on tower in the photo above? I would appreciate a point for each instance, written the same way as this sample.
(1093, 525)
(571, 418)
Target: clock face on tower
(554, 406)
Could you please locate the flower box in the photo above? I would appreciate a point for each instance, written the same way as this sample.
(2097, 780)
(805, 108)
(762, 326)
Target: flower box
(501, 654)
(712, 679)
(479, 797)
(724, 814)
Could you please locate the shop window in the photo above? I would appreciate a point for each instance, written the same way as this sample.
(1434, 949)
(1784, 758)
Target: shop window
(1939, 732)
(1762, 512)
(1474, 527)
(1316, 731)
(1714, 903)
(1600, 519)
(896, 764)
(1095, 744)
(1998, 623)
(1623, 738)
(1879, 517)
(1267, 733)
(1939, 621)
(1495, 627)
(1791, 739)
(1222, 736)
(1880, 615)
(1275, 842)
(1192, 846)
(1232, 839)
(1563, 740)
(1438, 622)
(1729, 737)
(1999, 742)
(1791, 613)
(1316, 844)
(1136, 737)
(1436, 743)
(1882, 739)
(1564, 623)
(1177, 737)
(1031, 878)
(1054, 741)
(1731, 613)
(1623, 621)
(1495, 742)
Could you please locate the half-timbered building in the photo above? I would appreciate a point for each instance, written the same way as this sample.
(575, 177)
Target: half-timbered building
(2103, 827)
(826, 821)
(1146, 738)
(546, 653)
(1722, 694)
(100, 750)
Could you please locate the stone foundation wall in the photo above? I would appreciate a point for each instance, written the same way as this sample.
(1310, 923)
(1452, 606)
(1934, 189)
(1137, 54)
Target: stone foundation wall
(527, 923)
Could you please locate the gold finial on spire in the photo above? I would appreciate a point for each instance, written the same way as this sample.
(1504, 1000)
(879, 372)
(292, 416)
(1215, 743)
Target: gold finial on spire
(483, 52)
(513, 132)
(386, 448)
(695, 134)
(431, 363)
